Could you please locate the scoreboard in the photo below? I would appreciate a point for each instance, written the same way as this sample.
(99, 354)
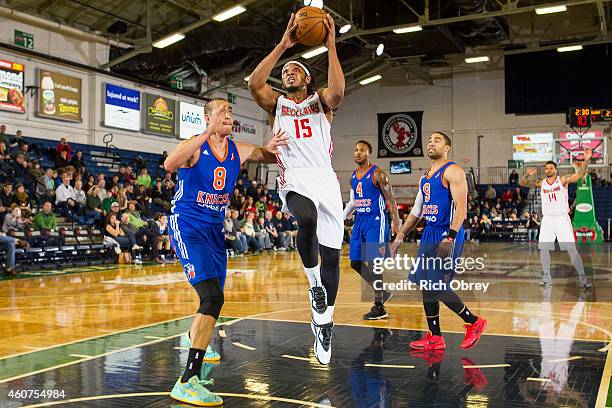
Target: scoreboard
(585, 116)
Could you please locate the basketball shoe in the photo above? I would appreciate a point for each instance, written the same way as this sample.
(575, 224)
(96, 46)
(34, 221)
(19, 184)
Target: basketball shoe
(193, 392)
(473, 333)
(429, 342)
(473, 376)
(323, 338)
(377, 312)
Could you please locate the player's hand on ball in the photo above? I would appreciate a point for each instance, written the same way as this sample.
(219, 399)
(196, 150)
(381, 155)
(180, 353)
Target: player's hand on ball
(445, 248)
(287, 41)
(330, 40)
(278, 139)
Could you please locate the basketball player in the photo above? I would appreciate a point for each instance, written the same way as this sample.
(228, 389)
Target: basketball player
(308, 186)
(556, 222)
(370, 193)
(442, 199)
(208, 166)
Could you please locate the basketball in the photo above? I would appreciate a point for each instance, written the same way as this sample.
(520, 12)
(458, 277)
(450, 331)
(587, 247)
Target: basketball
(310, 28)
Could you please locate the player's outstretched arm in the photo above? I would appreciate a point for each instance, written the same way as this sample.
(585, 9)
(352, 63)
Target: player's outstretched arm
(350, 206)
(260, 154)
(580, 168)
(387, 191)
(527, 181)
(185, 151)
(262, 92)
(334, 93)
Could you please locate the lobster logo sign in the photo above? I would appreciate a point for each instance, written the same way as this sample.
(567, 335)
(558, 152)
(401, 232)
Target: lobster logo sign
(400, 134)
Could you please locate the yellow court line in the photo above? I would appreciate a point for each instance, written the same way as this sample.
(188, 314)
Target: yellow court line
(538, 379)
(298, 358)
(222, 333)
(244, 346)
(80, 355)
(181, 348)
(602, 395)
(155, 394)
(564, 359)
(487, 366)
(387, 365)
(153, 337)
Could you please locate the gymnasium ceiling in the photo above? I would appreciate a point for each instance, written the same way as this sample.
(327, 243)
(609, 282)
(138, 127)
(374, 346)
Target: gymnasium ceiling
(216, 54)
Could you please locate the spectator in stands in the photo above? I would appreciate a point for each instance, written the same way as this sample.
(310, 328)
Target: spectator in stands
(80, 196)
(490, 194)
(122, 199)
(122, 179)
(169, 178)
(94, 204)
(63, 146)
(22, 199)
(101, 189)
(291, 228)
(61, 160)
(248, 229)
(45, 187)
(14, 220)
(278, 240)
(239, 232)
(525, 216)
(24, 149)
(162, 159)
(168, 190)
(533, 227)
(240, 186)
(142, 197)
(163, 238)
(20, 170)
(16, 141)
(144, 179)
(252, 190)
(3, 135)
(9, 244)
(129, 192)
(237, 200)
(143, 235)
(45, 219)
(91, 181)
(6, 196)
(518, 196)
(113, 232)
(262, 234)
(65, 199)
(231, 235)
(78, 162)
(249, 207)
(506, 196)
(475, 228)
(157, 194)
(485, 224)
(467, 228)
(513, 178)
(110, 200)
(35, 171)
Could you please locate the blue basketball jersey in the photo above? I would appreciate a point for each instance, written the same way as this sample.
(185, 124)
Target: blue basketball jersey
(369, 200)
(203, 191)
(438, 207)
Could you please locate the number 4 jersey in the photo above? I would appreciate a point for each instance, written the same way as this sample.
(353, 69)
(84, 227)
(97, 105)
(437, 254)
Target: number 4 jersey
(204, 190)
(554, 198)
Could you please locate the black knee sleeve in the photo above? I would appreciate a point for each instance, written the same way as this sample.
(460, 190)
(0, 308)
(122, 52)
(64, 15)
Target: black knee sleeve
(330, 272)
(305, 213)
(211, 297)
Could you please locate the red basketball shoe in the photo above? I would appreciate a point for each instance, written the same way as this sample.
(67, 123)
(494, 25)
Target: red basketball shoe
(473, 333)
(473, 376)
(429, 342)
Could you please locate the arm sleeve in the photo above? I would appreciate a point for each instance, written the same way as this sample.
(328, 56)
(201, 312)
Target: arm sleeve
(350, 206)
(417, 209)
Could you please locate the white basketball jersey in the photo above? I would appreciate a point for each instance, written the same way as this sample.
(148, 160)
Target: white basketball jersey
(308, 131)
(554, 198)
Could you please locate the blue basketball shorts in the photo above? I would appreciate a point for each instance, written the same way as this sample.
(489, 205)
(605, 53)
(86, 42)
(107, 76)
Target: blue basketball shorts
(370, 238)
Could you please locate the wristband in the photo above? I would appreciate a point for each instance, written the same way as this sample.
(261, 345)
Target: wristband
(452, 234)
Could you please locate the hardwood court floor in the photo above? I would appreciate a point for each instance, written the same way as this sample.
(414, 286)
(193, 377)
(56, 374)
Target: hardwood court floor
(39, 314)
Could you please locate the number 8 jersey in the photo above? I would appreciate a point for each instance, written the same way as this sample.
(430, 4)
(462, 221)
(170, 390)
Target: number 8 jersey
(203, 191)
(308, 131)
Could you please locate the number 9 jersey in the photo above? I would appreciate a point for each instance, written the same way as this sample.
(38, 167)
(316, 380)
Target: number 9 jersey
(203, 191)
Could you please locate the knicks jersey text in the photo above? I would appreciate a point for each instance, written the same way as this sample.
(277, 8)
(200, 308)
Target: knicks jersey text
(308, 131)
(368, 197)
(438, 207)
(203, 191)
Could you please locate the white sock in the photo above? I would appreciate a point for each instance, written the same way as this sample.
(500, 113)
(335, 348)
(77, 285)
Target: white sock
(314, 275)
(545, 260)
(331, 312)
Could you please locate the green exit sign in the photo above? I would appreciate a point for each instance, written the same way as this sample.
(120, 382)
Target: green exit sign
(176, 83)
(231, 98)
(516, 164)
(25, 40)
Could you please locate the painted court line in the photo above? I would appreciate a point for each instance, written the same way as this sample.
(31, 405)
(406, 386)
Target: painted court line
(80, 355)
(538, 379)
(153, 337)
(297, 358)
(387, 365)
(181, 348)
(222, 333)
(564, 359)
(244, 346)
(487, 366)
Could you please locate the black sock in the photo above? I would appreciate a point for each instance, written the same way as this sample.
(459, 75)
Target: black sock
(194, 364)
(454, 303)
(432, 314)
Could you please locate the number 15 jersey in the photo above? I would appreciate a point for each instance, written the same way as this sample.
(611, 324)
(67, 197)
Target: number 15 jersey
(308, 131)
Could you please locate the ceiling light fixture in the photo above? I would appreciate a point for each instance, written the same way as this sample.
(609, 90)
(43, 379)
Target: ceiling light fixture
(550, 10)
(314, 53)
(380, 49)
(345, 29)
(229, 13)
(473, 60)
(370, 79)
(408, 29)
(168, 40)
(569, 48)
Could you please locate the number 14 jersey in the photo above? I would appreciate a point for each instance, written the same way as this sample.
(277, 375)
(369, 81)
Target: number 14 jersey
(554, 198)
(308, 131)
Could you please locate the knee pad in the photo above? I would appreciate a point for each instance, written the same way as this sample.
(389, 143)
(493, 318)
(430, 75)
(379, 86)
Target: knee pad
(211, 297)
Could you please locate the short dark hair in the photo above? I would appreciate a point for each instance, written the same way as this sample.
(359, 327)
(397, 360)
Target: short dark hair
(550, 162)
(365, 142)
(210, 105)
(447, 139)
